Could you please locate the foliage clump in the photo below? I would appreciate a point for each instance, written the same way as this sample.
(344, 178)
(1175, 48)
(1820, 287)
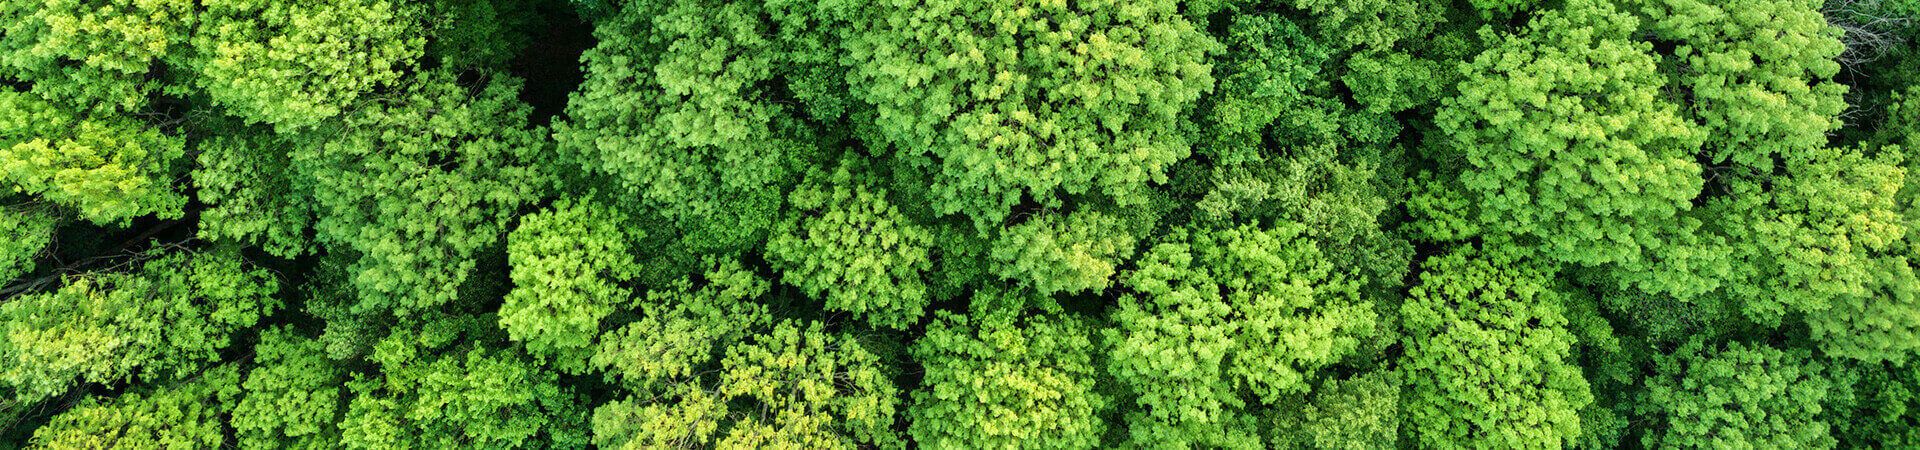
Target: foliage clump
(891, 224)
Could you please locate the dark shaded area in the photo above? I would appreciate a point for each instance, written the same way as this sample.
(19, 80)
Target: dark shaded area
(83, 247)
(551, 64)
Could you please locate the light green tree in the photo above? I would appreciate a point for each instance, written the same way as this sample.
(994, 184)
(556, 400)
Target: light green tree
(417, 184)
(571, 266)
(1014, 101)
(847, 243)
(1758, 73)
(293, 64)
(998, 378)
(710, 366)
(1221, 321)
(1070, 252)
(93, 58)
(185, 414)
(167, 320)
(1488, 357)
(106, 169)
(1567, 140)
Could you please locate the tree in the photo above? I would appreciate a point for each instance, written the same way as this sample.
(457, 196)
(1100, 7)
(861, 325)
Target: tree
(1303, 126)
(27, 231)
(571, 266)
(417, 184)
(166, 321)
(1488, 357)
(1270, 76)
(847, 243)
(106, 169)
(797, 387)
(1348, 224)
(1567, 140)
(180, 415)
(1758, 73)
(481, 35)
(1356, 413)
(1220, 321)
(295, 64)
(681, 326)
(819, 390)
(291, 396)
(1342, 197)
(1828, 238)
(673, 92)
(1070, 252)
(1739, 396)
(252, 193)
(92, 57)
(1028, 101)
(443, 383)
(996, 378)
(1874, 404)
(710, 367)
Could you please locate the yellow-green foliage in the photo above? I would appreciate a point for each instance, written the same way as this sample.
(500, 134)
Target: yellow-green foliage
(1567, 140)
(165, 321)
(186, 414)
(569, 266)
(1489, 360)
(995, 380)
(709, 367)
(1017, 99)
(1221, 323)
(848, 244)
(295, 63)
(94, 56)
(1248, 224)
(107, 170)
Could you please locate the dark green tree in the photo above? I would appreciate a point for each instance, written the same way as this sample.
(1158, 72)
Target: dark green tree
(1739, 396)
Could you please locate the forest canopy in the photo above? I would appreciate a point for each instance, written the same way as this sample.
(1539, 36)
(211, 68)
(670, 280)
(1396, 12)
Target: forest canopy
(1166, 224)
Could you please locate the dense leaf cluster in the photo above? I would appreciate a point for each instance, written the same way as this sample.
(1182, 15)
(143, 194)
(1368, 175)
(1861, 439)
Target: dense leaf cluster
(959, 224)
